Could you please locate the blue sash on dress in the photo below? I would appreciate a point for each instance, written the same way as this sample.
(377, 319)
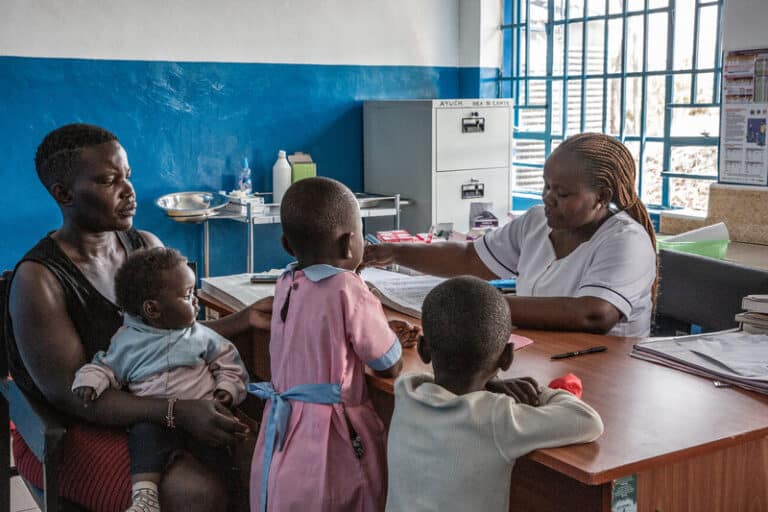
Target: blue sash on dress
(280, 413)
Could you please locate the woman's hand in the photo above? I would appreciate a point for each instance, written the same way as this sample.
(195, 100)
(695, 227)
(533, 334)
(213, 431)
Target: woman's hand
(525, 389)
(378, 255)
(209, 421)
(260, 314)
(407, 333)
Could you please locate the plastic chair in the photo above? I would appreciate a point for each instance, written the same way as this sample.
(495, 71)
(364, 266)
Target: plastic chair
(702, 291)
(41, 426)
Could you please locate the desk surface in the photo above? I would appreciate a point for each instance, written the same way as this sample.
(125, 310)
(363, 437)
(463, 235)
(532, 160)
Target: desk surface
(653, 415)
(751, 255)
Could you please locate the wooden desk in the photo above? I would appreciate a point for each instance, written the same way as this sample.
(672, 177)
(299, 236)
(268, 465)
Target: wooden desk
(691, 446)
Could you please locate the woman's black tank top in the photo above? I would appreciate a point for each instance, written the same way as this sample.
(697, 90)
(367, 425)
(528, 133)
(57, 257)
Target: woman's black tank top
(95, 317)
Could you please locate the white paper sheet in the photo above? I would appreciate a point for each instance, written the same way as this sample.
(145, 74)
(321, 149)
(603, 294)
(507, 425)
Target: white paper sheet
(713, 232)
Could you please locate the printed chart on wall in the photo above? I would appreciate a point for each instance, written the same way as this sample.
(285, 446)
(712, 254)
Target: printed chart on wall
(743, 150)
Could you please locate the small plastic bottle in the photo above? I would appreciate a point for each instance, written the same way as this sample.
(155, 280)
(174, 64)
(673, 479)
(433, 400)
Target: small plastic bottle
(244, 183)
(281, 177)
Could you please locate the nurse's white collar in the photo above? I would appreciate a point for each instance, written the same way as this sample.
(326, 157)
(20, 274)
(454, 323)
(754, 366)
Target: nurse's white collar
(315, 273)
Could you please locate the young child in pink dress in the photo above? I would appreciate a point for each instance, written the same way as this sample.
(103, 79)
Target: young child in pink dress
(321, 446)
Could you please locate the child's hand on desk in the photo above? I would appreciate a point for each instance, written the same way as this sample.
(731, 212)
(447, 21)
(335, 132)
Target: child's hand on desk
(407, 333)
(224, 397)
(525, 389)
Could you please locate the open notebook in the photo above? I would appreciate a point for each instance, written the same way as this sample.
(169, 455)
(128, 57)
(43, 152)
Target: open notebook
(401, 292)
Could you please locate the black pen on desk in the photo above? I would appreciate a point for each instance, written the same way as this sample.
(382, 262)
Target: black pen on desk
(591, 350)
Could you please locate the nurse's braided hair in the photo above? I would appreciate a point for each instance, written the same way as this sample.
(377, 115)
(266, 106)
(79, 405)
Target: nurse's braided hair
(608, 163)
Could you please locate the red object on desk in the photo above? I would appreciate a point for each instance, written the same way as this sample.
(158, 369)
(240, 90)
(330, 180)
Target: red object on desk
(568, 382)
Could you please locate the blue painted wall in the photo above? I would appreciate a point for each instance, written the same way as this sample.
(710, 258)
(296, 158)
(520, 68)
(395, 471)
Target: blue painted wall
(478, 82)
(186, 126)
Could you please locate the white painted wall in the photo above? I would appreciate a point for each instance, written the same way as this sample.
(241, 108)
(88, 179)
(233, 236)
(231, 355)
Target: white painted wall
(745, 24)
(480, 39)
(371, 32)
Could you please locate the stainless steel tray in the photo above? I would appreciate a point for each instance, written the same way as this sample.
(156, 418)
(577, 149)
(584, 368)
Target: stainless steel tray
(191, 204)
(374, 200)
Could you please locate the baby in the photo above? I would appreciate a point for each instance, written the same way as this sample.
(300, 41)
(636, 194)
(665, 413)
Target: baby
(161, 351)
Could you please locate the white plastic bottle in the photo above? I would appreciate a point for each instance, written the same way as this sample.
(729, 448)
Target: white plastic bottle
(281, 177)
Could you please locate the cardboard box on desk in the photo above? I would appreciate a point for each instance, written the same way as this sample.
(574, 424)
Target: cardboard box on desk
(302, 166)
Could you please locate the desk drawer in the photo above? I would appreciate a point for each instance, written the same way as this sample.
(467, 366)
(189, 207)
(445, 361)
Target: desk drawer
(472, 138)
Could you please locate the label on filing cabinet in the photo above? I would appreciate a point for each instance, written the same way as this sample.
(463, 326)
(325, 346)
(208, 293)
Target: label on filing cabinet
(624, 494)
(472, 190)
(486, 102)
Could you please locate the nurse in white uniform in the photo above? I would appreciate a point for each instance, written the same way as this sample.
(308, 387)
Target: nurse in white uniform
(585, 260)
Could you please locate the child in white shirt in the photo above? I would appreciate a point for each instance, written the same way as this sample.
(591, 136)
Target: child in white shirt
(452, 442)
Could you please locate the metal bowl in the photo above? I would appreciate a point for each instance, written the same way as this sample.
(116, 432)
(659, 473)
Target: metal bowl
(191, 204)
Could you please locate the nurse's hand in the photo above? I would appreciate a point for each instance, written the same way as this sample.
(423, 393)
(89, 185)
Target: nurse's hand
(378, 255)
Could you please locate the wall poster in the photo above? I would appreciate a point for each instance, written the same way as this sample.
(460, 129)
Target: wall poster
(743, 156)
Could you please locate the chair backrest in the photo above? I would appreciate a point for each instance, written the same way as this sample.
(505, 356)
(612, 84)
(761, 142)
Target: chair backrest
(704, 291)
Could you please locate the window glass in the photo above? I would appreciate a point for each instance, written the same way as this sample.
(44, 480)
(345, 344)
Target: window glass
(610, 88)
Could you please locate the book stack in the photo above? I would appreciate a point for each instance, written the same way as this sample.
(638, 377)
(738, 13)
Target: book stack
(755, 319)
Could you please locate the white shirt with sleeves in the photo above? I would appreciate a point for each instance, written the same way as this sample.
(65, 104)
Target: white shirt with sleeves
(618, 264)
(450, 452)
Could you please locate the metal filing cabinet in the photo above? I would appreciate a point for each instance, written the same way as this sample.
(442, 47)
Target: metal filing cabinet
(441, 154)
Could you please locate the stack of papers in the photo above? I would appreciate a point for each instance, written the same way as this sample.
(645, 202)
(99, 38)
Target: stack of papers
(236, 291)
(756, 303)
(735, 357)
(401, 292)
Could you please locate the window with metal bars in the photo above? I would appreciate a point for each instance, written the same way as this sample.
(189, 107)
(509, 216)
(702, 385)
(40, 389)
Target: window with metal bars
(645, 71)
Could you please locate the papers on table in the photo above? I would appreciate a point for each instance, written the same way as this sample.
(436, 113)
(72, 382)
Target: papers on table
(735, 357)
(236, 291)
(400, 292)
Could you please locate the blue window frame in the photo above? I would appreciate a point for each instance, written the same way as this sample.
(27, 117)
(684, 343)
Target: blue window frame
(646, 71)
